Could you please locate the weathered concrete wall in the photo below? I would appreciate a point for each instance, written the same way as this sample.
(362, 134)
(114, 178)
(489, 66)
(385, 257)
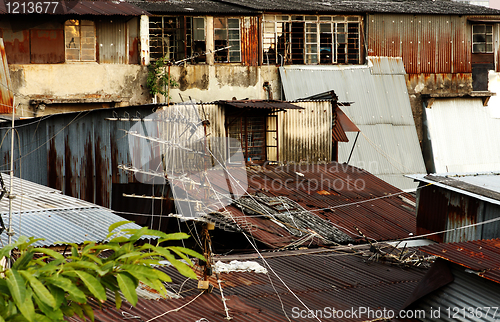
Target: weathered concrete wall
(440, 84)
(223, 82)
(79, 83)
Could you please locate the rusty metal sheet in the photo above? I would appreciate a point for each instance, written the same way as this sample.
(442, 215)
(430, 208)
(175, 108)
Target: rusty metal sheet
(133, 41)
(321, 278)
(481, 256)
(76, 8)
(338, 194)
(17, 46)
(250, 41)
(47, 46)
(262, 104)
(6, 94)
(427, 43)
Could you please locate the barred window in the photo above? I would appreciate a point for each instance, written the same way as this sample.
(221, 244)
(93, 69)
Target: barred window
(177, 38)
(311, 39)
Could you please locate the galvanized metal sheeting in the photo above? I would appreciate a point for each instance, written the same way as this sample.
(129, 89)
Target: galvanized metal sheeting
(388, 145)
(44, 212)
(456, 300)
(475, 133)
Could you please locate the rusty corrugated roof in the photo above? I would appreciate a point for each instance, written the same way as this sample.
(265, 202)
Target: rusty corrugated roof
(107, 8)
(340, 195)
(341, 279)
(481, 256)
(268, 104)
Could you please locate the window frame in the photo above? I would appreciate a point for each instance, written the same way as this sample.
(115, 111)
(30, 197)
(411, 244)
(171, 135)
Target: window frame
(247, 134)
(184, 34)
(484, 42)
(279, 36)
(80, 37)
(229, 32)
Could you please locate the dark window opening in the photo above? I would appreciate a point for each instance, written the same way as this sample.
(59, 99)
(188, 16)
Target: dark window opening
(482, 39)
(177, 38)
(251, 132)
(227, 34)
(311, 40)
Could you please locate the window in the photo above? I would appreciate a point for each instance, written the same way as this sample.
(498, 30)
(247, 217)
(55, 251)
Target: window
(482, 39)
(227, 34)
(311, 39)
(79, 40)
(251, 132)
(177, 38)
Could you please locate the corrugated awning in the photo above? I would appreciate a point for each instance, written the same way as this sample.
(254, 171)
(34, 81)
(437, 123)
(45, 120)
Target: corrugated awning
(346, 123)
(265, 104)
(98, 8)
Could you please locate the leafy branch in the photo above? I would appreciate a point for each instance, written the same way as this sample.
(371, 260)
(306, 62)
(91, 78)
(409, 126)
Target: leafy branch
(158, 79)
(51, 286)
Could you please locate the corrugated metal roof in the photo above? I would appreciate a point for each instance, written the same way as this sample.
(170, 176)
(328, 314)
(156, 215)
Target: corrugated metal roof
(386, 65)
(192, 7)
(322, 278)
(475, 133)
(388, 145)
(483, 186)
(6, 94)
(269, 104)
(46, 213)
(466, 292)
(481, 256)
(358, 6)
(85, 7)
(337, 194)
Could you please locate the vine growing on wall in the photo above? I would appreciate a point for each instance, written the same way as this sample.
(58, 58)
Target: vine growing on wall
(159, 80)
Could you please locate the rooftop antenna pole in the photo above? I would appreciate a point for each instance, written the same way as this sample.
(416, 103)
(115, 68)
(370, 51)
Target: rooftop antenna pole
(10, 232)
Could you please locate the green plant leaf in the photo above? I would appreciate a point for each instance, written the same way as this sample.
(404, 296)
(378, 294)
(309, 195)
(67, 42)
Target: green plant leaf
(180, 266)
(23, 261)
(53, 312)
(67, 285)
(43, 318)
(87, 309)
(16, 286)
(175, 236)
(93, 285)
(118, 300)
(27, 308)
(49, 252)
(40, 290)
(94, 258)
(127, 286)
(118, 224)
(78, 310)
(188, 251)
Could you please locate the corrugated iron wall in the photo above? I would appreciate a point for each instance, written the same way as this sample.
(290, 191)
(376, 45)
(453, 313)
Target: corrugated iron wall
(112, 41)
(250, 41)
(306, 134)
(441, 209)
(428, 44)
(78, 153)
(6, 94)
